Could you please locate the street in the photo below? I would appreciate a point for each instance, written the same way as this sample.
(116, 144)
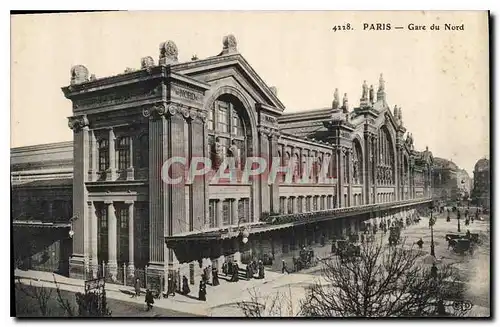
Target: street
(28, 307)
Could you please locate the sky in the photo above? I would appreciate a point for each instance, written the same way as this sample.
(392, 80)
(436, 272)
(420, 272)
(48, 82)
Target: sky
(439, 78)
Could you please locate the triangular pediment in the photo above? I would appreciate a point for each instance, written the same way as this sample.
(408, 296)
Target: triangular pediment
(231, 66)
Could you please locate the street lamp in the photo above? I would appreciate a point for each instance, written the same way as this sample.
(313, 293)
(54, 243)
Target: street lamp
(71, 231)
(458, 218)
(432, 232)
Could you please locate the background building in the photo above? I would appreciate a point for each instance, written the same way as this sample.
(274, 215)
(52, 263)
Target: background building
(446, 181)
(125, 217)
(481, 191)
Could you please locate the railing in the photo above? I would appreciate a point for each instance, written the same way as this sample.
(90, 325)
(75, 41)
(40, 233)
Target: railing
(296, 217)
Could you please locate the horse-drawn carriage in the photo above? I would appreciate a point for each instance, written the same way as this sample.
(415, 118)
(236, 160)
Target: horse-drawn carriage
(306, 259)
(347, 250)
(462, 243)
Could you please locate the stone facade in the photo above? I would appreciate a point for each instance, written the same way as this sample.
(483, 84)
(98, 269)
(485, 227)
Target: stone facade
(126, 126)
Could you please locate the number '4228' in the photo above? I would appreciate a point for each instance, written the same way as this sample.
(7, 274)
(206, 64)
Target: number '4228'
(345, 27)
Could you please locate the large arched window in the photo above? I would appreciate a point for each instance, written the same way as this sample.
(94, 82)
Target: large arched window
(386, 165)
(228, 134)
(357, 163)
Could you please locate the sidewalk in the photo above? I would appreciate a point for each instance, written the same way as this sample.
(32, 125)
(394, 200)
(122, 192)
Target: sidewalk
(222, 299)
(226, 294)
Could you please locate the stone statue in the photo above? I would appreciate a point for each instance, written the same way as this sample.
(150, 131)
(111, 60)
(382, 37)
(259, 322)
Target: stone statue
(355, 171)
(381, 83)
(147, 62)
(234, 152)
(396, 112)
(364, 94)
(345, 103)
(400, 115)
(229, 44)
(79, 74)
(336, 100)
(372, 94)
(218, 153)
(168, 53)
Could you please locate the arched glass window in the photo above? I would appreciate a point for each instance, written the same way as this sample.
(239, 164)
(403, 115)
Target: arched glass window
(386, 166)
(357, 163)
(227, 132)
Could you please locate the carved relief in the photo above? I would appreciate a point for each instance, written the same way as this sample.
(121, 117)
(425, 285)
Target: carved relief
(76, 123)
(118, 97)
(186, 94)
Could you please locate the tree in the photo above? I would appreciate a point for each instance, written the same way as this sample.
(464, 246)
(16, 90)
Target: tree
(41, 295)
(278, 304)
(382, 282)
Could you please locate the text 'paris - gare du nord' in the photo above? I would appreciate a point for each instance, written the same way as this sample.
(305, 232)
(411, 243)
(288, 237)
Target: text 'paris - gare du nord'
(179, 170)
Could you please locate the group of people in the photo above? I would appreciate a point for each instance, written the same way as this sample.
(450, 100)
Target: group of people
(254, 267)
(232, 269)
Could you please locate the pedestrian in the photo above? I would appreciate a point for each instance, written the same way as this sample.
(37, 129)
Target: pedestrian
(171, 286)
(323, 240)
(209, 273)
(261, 270)
(434, 271)
(420, 243)
(249, 271)
(185, 286)
(215, 277)
(224, 268)
(149, 300)
(137, 287)
(235, 272)
(202, 294)
(283, 267)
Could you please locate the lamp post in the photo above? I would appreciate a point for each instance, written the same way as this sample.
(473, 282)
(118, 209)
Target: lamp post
(71, 231)
(458, 217)
(432, 233)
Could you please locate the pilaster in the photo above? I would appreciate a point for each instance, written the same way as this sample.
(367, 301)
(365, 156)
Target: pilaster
(111, 172)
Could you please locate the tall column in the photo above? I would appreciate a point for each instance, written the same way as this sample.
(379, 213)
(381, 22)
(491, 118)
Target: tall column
(198, 197)
(285, 205)
(112, 261)
(111, 173)
(234, 212)
(130, 169)
(131, 267)
(265, 153)
(294, 205)
(218, 214)
(349, 176)
(367, 168)
(79, 263)
(94, 156)
(274, 187)
(94, 263)
(340, 177)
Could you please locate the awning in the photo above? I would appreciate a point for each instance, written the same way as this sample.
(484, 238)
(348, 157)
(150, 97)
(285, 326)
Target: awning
(300, 219)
